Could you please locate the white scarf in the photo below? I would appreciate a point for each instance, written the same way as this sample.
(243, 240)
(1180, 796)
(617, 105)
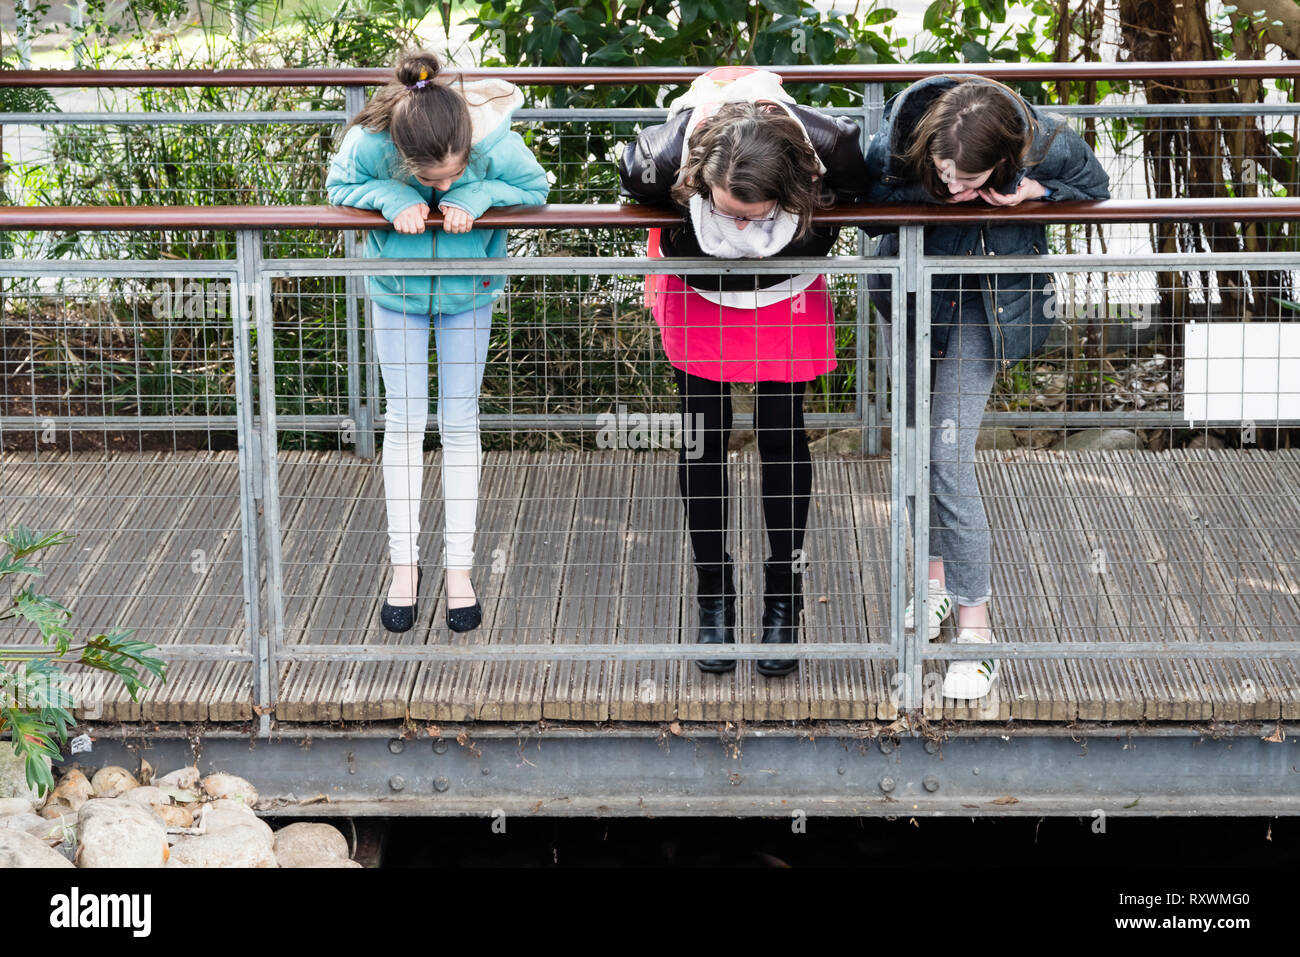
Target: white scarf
(720, 237)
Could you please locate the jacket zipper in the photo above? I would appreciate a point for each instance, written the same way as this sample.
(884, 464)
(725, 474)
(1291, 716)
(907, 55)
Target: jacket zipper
(993, 296)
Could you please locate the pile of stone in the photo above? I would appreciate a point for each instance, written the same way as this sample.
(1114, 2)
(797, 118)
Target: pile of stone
(180, 819)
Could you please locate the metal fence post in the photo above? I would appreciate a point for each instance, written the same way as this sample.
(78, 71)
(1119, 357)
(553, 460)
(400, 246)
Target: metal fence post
(868, 428)
(920, 473)
(906, 458)
(267, 677)
(871, 409)
(360, 411)
(250, 470)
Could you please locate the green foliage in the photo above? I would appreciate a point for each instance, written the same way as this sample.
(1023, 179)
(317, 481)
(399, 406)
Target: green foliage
(35, 704)
(24, 99)
(206, 164)
(282, 164)
(671, 33)
(977, 31)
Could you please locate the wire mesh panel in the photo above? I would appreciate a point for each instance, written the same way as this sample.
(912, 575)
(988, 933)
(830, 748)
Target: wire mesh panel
(1141, 502)
(1135, 473)
(574, 532)
(118, 428)
(123, 409)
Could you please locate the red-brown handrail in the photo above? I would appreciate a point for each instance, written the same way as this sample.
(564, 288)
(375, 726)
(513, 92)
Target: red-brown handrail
(632, 216)
(1170, 72)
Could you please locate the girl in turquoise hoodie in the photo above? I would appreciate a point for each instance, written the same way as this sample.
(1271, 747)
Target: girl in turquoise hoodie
(422, 142)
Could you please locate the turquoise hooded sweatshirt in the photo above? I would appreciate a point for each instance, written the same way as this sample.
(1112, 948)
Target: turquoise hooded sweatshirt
(367, 172)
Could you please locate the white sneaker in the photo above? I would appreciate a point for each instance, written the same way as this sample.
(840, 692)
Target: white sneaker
(940, 603)
(967, 680)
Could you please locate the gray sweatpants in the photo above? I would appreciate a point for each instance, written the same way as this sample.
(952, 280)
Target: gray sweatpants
(960, 383)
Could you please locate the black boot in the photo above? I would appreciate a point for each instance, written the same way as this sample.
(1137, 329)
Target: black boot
(717, 599)
(782, 603)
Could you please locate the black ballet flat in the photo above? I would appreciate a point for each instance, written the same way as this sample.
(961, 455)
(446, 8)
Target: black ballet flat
(399, 618)
(465, 619)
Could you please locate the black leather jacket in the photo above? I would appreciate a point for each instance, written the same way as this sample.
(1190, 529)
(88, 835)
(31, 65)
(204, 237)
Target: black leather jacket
(837, 140)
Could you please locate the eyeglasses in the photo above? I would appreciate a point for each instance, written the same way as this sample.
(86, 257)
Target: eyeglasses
(744, 219)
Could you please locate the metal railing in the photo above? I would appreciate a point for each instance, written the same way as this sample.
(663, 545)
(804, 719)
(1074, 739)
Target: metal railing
(259, 426)
(867, 81)
(872, 78)
(252, 276)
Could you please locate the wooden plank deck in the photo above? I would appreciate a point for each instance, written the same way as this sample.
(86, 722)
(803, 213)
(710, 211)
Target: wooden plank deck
(1188, 545)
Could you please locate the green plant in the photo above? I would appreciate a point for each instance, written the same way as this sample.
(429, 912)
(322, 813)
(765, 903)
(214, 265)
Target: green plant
(35, 704)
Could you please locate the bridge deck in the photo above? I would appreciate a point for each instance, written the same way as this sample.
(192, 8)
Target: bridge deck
(572, 547)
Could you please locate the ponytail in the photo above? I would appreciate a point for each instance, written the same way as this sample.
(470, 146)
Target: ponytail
(427, 120)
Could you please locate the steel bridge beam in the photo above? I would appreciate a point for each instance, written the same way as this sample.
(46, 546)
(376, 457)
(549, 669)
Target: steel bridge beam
(822, 770)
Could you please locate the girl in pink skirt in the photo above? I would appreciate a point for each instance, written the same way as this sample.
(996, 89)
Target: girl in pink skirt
(747, 167)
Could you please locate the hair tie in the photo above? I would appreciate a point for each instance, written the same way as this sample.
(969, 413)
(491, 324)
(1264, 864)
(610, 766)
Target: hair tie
(421, 83)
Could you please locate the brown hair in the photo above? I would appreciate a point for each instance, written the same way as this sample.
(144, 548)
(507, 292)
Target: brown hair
(428, 125)
(978, 124)
(758, 153)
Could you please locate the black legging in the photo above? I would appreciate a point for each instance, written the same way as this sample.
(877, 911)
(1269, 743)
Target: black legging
(782, 447)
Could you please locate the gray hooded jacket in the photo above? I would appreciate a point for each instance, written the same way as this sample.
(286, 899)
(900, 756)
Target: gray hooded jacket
(1019, 306)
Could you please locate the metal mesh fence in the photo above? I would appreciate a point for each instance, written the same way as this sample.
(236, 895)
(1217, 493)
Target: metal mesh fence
(123, 410)
(1136, 494)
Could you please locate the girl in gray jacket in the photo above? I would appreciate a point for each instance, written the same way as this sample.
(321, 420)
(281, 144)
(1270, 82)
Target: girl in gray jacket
(953, 139)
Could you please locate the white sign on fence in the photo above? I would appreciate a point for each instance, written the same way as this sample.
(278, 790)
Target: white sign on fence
(1241, 371)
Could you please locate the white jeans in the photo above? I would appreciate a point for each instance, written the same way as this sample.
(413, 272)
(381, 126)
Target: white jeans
(402, 348)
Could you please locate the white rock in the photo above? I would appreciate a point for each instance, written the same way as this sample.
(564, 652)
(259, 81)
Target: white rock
(216, 819)
(55, 831)
(174, 815)
(112, 781)
(239, 846)
(19, 849)
(331, 863)
(15, 806)
(13, 776)
(117, 833)
(304, 844)
(33, 824)
(231, 804)
(73, 790)
(185, 778)
(179, 795)
(222, 785)
(1098, 440)
(147, 795)
(991, 438)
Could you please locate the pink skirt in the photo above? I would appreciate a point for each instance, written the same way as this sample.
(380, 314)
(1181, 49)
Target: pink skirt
(792, 340)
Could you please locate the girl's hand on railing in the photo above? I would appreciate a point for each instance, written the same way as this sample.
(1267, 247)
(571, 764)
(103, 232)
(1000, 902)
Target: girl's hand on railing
(964, 196)
(456, 220)
(411, 219)
(1028, 189)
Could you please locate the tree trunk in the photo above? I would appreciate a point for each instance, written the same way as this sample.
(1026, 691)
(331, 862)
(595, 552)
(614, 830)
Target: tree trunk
(1202, 156)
